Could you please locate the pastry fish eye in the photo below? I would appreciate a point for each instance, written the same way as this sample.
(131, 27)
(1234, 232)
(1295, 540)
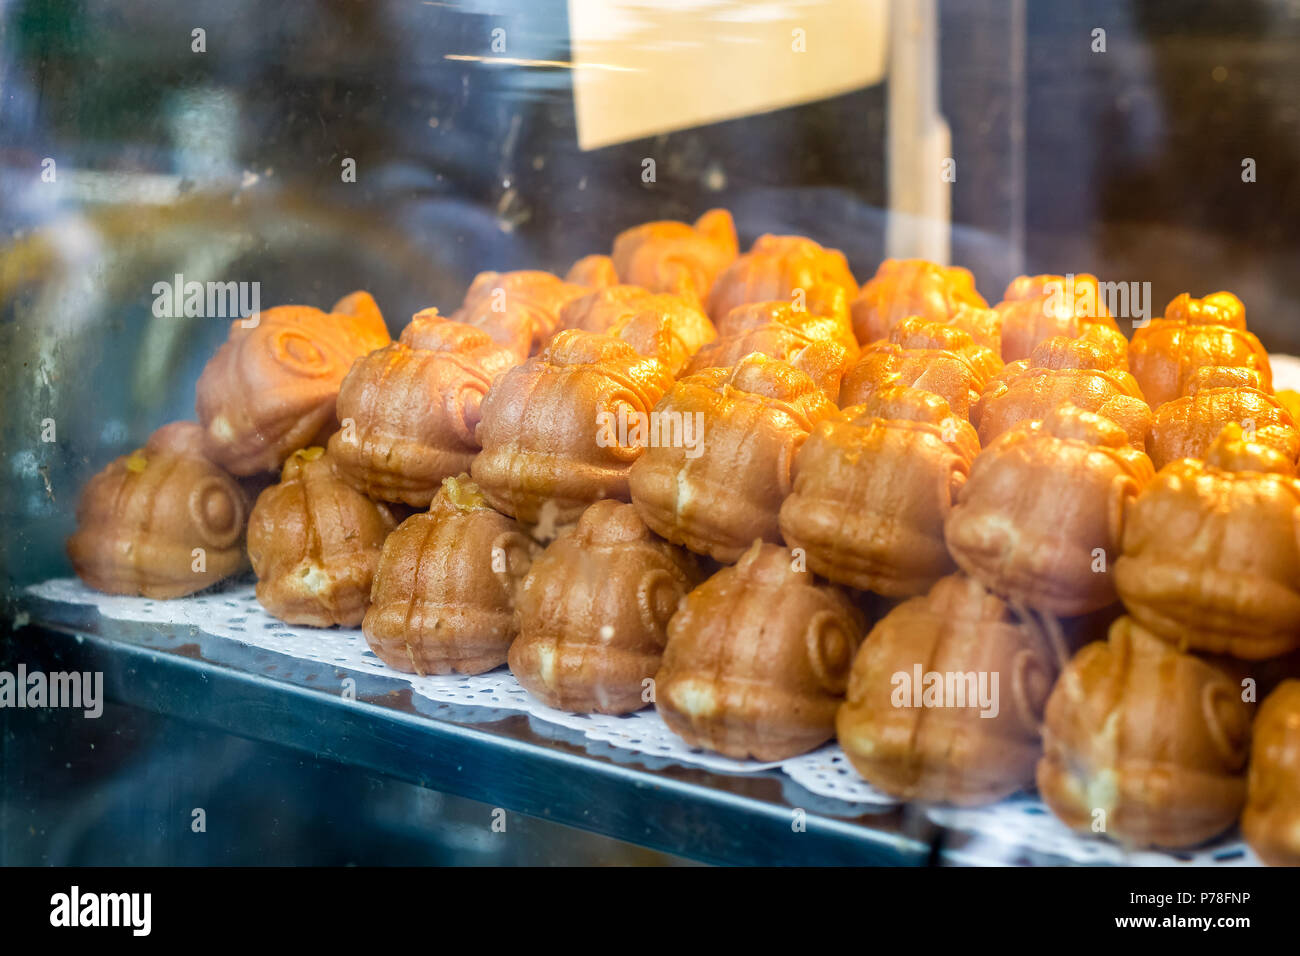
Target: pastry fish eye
(830, 651)
(463, 406)
(298, 353)
(216, 511)
(658, 595)
(1228, 724)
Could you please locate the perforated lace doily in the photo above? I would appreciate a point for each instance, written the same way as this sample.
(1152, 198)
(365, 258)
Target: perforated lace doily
(231, 612)
(1023, 821)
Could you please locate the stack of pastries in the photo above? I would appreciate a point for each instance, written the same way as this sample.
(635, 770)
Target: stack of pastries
(685, 476)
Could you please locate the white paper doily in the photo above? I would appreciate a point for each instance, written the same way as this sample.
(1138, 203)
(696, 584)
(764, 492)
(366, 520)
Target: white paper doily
(231, 612)
(1286, 371)
(1024, 821)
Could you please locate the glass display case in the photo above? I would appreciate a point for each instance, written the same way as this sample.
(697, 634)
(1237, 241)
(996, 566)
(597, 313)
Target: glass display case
(518, 432)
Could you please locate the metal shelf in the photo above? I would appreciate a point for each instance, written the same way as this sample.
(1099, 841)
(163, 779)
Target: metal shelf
(501, 758)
